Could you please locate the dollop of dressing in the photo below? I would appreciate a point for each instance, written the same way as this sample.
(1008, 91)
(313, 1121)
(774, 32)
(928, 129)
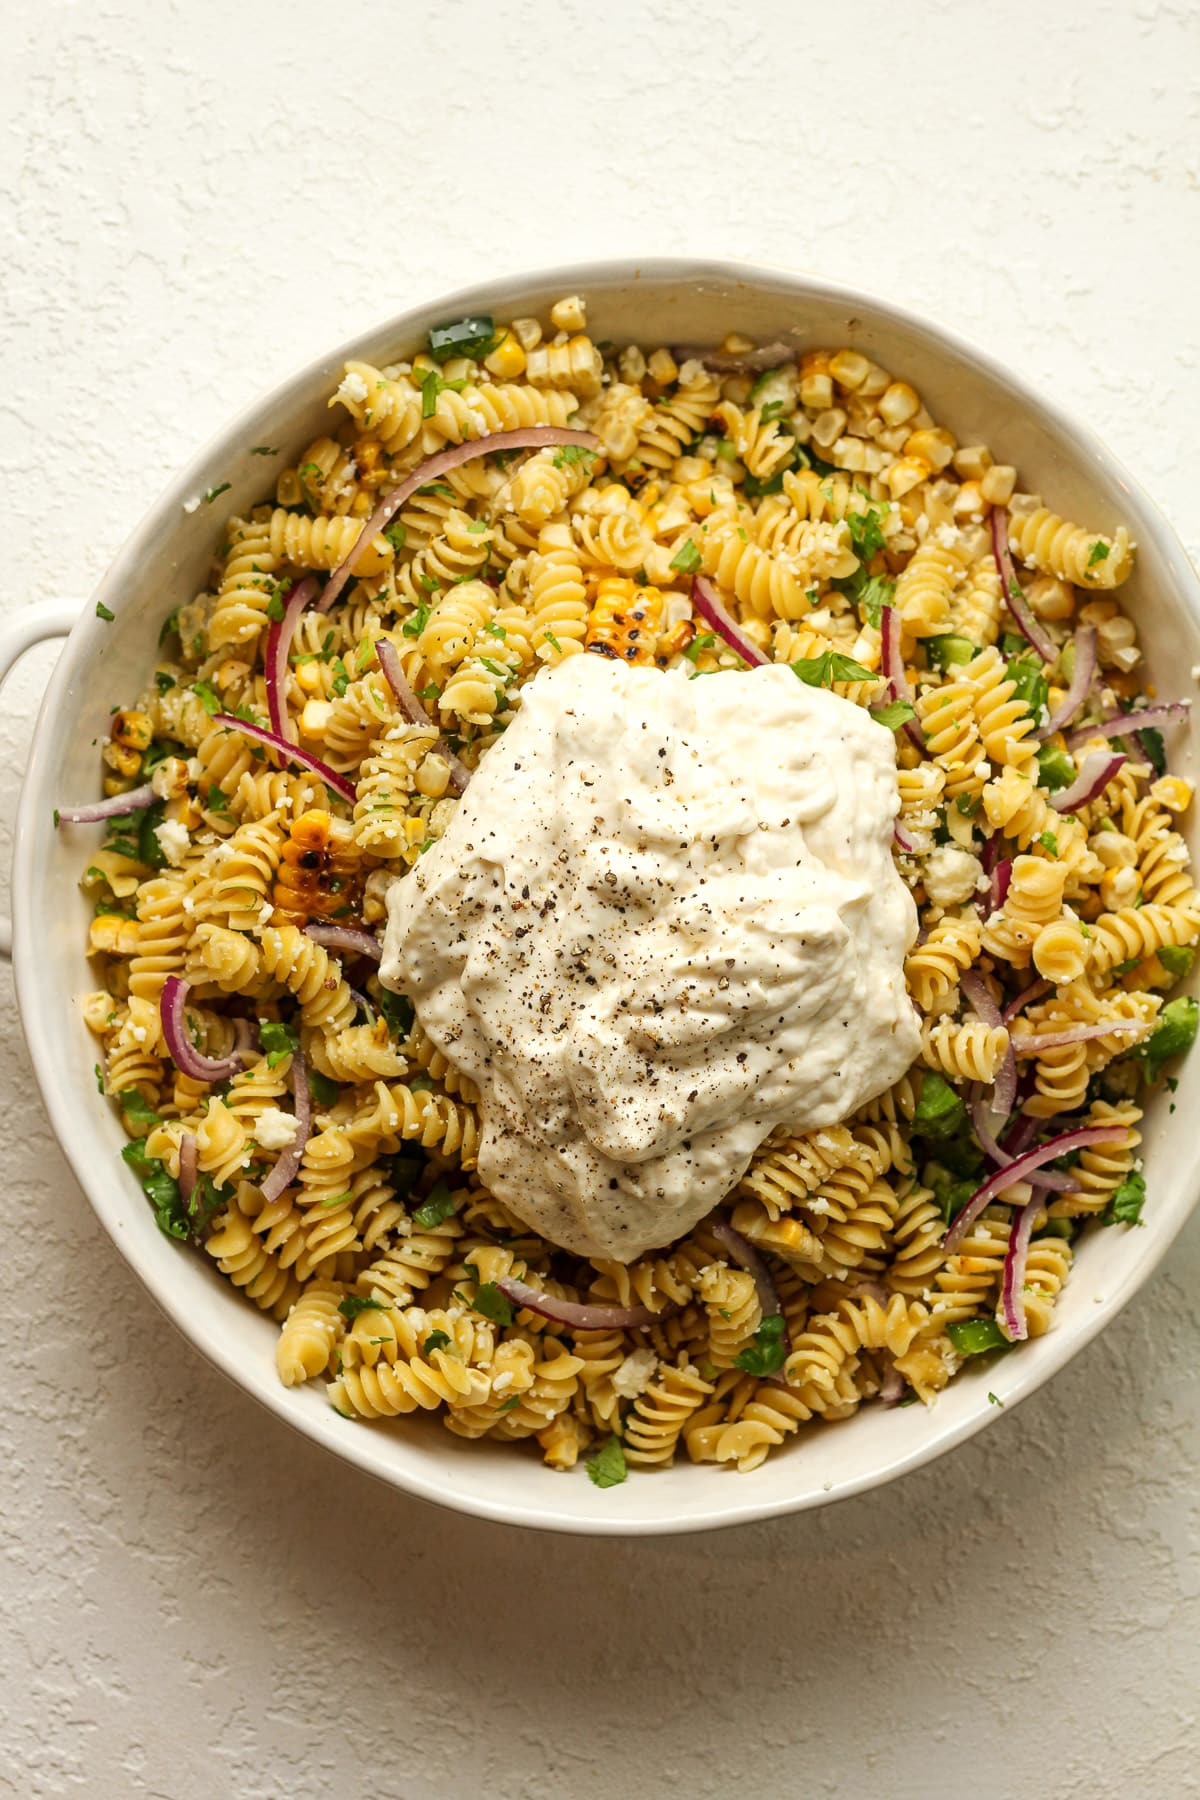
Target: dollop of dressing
(664, 919)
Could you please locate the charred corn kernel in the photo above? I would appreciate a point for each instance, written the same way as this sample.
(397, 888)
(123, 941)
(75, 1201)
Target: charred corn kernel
(972, 461)
(968, 500)
(899, 403)
(816, 383)
(315, 718)
(126, 762)
(935, 447)
(569, 313)
(1173, 792)
(1113, 849)
(320, 870)
(433, 776)
(905, 474)
(110, 935)
(623, 623)
(849, 369)
(849, 453)
(997, 484)
(132, 729)
(828, 426)
(1050, 598)
(1119, 888)
(507, 360)
(674, 642)
(528, 333)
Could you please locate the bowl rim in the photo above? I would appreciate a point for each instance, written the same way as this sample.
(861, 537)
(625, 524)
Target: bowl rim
(71, 1129)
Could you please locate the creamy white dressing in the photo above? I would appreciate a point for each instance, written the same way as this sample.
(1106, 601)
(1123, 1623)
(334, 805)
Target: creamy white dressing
(664, 919)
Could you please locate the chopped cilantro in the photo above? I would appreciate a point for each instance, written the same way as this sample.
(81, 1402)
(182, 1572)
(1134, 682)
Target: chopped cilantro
(396, 535)
(475, 336)
(164, 681)
(995, 1399)
(507, 1405)
(495, 630)
(1098, 553)
(607, 1467)
(1049, 842)
(216, 802)
(150, 851)
(324, 1091)
(137, 1108)
(208, 697)
(264, 450)
(169, 624)
(103, 612)
(552, 640)
(437, 1340)
(493, 1304)
(756, 487)
(212, 493)
(278, 1040)
(160, 1188)
(439, 1206)
(687, 559)
(354, 1304)
(973, 1337)
(416, 621)
(939, 1111)
(275, 606)
(341, 678)
(572, 453)
(830, 666)
(1125, 1206)
(770, 411)
(967, 805)
(397, 1010)
(866, 535)
(703, 641)
(1151, 740)
(495, 668)
(766, 1354)
(950, 1191)
(895, 714)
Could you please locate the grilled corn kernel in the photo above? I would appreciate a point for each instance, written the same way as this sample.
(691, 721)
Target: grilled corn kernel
(569, 314)
(1113, 849)
(905, 474)
(315, 718)
(1119, 887)
(972, 461)
(662, 367)
(528, 333)
(828, 426)
(997, 484)
(899, 403)
(1173, 792)
(632, 364)
(125, 761)
(1051, 598)
(933, 446)
(433, 776)
(849, 369)
(134, 730)
(110, 935)
(507, 360)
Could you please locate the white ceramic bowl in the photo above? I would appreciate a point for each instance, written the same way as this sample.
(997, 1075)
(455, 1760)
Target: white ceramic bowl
(165, 561)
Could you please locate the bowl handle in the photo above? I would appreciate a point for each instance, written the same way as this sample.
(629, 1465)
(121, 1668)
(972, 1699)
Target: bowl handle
(32, 625)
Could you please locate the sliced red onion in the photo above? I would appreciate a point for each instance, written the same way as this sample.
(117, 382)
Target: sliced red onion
(290, 753)
(1034, 991)
(1095, 772)
(346, 937)
(1004, 1089)
(184, 1054)
(136, 800)
(1081, 684)
(1001, 881)
(903, 842)
(1078, 1034)
(1019, 1136)
(286, 1168)
(1167, 714)
(729, 362)
(245, 1037)
(893, 667)
(891, 1388)
(188, 1150)
(414, 712)
(573, 1312)
(531, 437)
(1012, 1294)
(1020, 1168)
(712, 609)
(275, 659)
(746, 1257)
(1015, 600)
(984, 1121)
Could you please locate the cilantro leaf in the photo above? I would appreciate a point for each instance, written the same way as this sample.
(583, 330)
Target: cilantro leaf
(769, 1349)
(687, 559)
(354, 1304)
(1097, 554)
(437, 1340)
(493, 1304)
(213, 493)
(208, 697)
(103, 612)
(397, 1010)
(137, 1108)
(949, 1190)
(324, 1091)
(572, 453)
(1125, 1206)
(1151, 741)
(830, 666)
(895, 714)
(416, 621)
(866, 534)
(607, 1468)
(439, 1205)
(278, 1040)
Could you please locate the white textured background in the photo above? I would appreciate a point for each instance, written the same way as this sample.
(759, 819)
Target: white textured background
(197, 198)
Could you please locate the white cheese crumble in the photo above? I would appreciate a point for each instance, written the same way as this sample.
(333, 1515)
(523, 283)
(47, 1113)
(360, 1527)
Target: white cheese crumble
(353, 390)
(951, 875)
(633, 1376)
(173, 841)
(275, 1129)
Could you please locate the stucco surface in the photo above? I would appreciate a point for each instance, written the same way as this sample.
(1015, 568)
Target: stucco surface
(198, 1603)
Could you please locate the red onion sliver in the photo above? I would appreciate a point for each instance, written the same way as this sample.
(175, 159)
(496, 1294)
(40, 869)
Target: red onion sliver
(187, 1059)
(728, 362)
(1012, 1295)
(983, 1120)
(1001, 880)
(1020, 1168)
(414, 712)
(532, 437)
(747, 1257)
(346, 937)
(902, 841)
(976, 989)
(289, 752)
(1014, 599)
(574, 1313)
(1081, 684)
(1034, 991)
(708, 603)
(1004, 1089)
(136, 800)
(1095, 773)
(891, 1388)
(285, 1170)
(893, 667)
(187, 1167)
(1167, 714)
(1078, 1034)
(275, 659)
